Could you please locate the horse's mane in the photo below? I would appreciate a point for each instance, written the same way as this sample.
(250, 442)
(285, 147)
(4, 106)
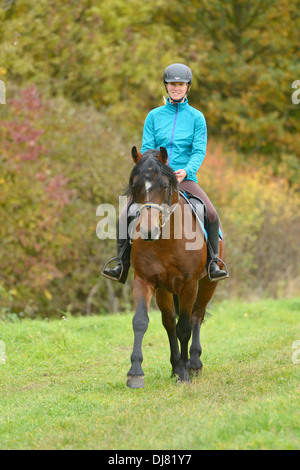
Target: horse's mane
(149, 168)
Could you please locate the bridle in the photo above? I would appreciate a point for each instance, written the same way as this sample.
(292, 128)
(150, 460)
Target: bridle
(166, 209)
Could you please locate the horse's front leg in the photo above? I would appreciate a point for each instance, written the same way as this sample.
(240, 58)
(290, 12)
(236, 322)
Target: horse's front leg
(142, 294)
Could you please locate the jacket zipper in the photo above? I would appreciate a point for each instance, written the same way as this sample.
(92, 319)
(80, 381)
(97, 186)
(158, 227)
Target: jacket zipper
(172, 137)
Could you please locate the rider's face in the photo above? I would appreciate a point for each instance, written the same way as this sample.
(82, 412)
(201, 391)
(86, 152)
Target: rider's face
(177, 90)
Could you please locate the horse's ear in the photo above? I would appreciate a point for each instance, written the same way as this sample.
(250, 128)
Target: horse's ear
(136, 155)
(163, 155)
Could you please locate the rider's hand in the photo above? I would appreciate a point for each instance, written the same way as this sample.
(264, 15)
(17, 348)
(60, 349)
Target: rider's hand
(180, 175)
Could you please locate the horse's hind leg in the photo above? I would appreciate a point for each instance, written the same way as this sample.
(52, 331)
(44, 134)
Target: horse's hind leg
(195, 365)
(165, 304)
(205, 293)
(184, 328)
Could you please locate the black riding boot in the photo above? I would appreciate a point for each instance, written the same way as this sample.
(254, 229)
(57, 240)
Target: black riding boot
(213, 270)
(120, 272)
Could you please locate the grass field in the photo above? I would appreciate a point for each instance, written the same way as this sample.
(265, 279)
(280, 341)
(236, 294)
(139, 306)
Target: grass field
(63, 383)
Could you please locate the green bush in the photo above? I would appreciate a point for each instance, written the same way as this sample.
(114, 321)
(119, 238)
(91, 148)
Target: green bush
(59, 162)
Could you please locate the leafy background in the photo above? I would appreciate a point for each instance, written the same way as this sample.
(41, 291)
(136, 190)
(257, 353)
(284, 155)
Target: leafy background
(80, 78)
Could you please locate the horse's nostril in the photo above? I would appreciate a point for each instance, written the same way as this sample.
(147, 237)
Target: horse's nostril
(150, 235)
(144, 233)
(155, 233)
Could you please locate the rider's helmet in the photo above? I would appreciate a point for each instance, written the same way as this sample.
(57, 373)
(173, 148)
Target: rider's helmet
(178, 73)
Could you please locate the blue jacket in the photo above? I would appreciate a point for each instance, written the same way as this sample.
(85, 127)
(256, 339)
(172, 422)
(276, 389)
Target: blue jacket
(181, 129)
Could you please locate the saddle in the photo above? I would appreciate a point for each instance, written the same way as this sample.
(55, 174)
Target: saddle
(199, 209)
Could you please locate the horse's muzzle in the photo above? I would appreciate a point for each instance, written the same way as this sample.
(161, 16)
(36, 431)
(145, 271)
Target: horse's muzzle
(150, 235)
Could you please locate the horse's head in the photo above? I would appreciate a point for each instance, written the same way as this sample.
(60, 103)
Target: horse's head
(153, 185)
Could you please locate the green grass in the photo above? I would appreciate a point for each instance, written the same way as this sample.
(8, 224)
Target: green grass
(63, 385)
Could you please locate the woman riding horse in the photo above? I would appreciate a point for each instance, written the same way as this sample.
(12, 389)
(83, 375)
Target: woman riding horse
(169, 255)
(181, 129)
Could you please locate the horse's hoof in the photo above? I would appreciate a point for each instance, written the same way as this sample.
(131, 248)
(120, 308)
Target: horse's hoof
(184, 378)
(183, 381)
(195, 372)
(135, 381)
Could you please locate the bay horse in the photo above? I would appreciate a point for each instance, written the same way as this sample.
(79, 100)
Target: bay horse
(171, 266)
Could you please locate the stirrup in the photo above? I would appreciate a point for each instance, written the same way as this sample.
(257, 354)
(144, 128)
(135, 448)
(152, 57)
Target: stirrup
(111, 277)
(220, 278)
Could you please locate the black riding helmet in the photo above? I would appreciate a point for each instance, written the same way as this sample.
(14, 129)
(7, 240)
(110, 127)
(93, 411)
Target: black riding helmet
(178, 73)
